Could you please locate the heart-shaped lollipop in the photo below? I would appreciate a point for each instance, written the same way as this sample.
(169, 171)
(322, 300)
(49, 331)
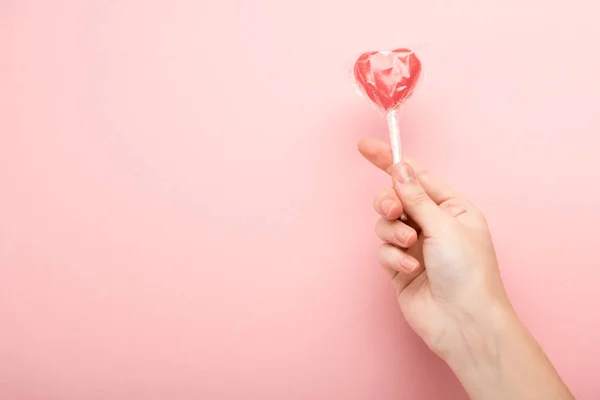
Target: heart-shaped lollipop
(388, 78)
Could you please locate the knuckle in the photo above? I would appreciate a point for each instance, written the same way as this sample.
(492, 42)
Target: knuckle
(380, 227)
(381, 256)
(419, 198)
(382, 195)
(389, 193)
(376, 203)
(454, 207)
(476, 212)
(385, 256)
(384, 230)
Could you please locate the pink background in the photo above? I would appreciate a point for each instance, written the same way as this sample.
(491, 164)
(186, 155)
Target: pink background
(183, 213)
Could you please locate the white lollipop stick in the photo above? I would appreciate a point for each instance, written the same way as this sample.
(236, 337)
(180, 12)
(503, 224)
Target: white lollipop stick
(394, 128)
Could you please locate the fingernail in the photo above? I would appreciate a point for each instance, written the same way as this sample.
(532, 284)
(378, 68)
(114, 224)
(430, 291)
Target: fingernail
(404, 235)
(404, 173)
(409, 264)
(386, 206)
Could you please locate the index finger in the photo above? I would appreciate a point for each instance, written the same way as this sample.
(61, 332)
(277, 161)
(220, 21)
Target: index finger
(379, 154)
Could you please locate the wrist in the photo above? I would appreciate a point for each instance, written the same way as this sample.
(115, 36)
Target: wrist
(497, 358)
(482, 337)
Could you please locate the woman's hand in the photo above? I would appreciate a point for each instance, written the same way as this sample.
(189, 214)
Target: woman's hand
(441, 259)
(439, 253)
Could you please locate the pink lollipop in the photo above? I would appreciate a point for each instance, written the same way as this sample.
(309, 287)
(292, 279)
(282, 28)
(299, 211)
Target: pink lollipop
(388, 78)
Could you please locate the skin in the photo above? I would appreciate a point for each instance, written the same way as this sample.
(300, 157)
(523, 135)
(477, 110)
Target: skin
(439, 254)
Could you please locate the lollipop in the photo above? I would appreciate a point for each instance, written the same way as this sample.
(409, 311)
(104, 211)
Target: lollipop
(388, 78)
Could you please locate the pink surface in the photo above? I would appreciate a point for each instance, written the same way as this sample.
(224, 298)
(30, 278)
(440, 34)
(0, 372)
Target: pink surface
(174, 225)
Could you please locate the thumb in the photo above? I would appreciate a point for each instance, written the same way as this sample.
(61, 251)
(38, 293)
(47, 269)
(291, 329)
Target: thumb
(417, 203)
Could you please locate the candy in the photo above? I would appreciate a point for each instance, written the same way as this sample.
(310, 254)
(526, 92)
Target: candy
(388, 78)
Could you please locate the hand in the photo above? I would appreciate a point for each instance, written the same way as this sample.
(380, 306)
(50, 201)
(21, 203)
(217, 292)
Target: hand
(441, 259)
(439, 253)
